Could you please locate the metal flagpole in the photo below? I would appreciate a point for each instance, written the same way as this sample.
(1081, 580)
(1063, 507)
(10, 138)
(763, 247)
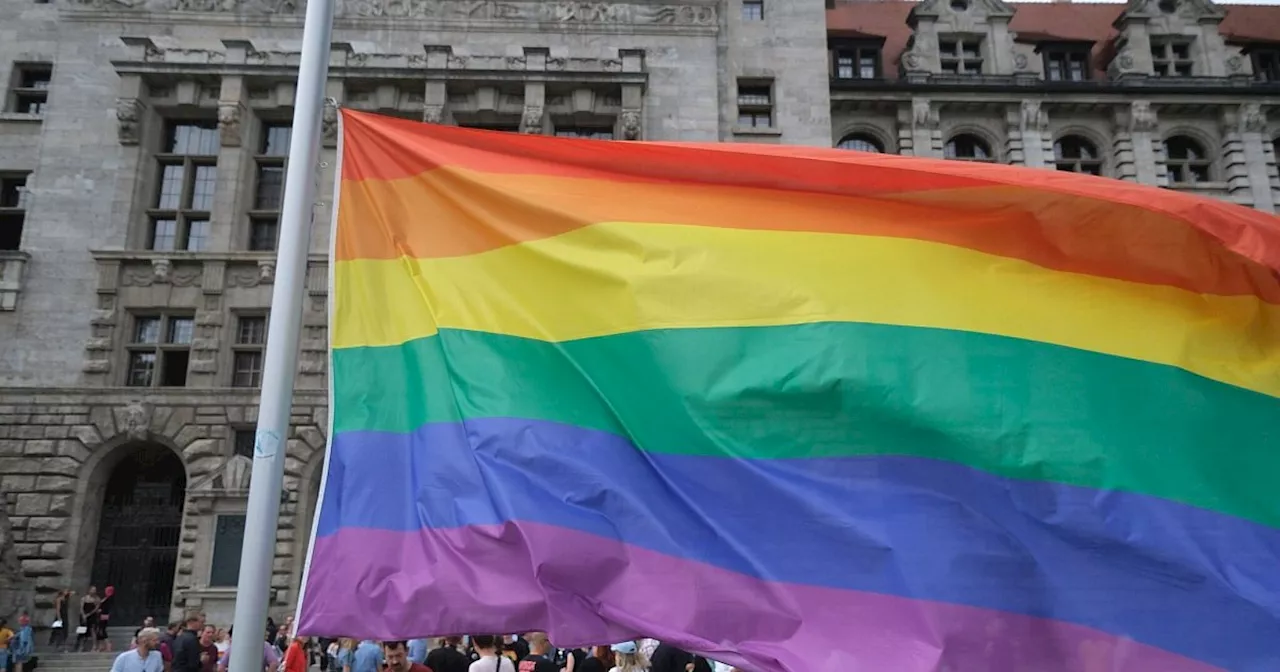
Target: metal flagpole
(254, 589)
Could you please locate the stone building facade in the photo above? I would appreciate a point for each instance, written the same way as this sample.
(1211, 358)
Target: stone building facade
(141, 163)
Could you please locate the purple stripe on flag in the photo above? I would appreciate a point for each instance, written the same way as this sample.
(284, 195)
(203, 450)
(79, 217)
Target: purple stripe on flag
(521, 576)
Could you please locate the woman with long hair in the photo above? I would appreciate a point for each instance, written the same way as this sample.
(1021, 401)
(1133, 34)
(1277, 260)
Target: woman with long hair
(600, 660)
(58, 630)
(88, 618)
(629, 658)
(102, 643)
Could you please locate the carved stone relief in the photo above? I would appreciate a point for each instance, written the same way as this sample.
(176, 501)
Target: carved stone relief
(924, 114)
(329, 123)
(229, 122)
(531, 120)
(137, 420)
(129, 120)
(564, 12)
(1033, 117)
(1142, 119)
(433, 114)
(630, 124)
(1252, 118)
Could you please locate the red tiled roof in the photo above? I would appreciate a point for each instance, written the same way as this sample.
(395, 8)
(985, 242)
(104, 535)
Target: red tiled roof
(1038, 22)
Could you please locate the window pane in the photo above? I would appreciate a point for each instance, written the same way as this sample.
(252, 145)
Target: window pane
(244, 442)
(248, 370)
(171, 183)
(202, 190)
(164, 234)
(253, 331)
(585, 132)
(193, 139)
(867, 67)
(860, 143)
(146, 330)
(753, 95)
(180, 330)
(844, 67)
(970, 49)
(35, 78)
(262, 234)
(142, 367)
(11, 191)
(173, 371)
(30, 104)
(197, 235)
(270, 188)
(275, 140)
(228, 542)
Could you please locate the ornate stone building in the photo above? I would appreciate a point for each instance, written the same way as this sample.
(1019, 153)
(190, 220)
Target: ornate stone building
(142, 154)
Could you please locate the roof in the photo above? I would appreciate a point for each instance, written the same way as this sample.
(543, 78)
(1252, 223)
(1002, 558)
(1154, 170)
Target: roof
(1038, 22)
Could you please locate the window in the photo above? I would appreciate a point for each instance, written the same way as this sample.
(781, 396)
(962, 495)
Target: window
(752, 10)
(513, 127)
(247, 353)
(29, 90)
(243, 442)
(755, 105)
(861, 142)
(961, 56)
(968, 147)
(1074, 154)
(228, 543)
(13, 214)
(160, 351)
(590, 132)
(1171, 56)
(855, 62)
(1186, 160)
(1066, 64)
(1266, 65)
(268, 195)
(188, 175)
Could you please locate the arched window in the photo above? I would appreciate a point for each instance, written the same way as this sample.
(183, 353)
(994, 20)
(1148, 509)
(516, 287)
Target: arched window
(968, 147)
(1187, 161)
(861, 142)
(1075, 154)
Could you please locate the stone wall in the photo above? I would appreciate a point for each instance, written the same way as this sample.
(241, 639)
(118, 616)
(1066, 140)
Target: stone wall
(58, 447)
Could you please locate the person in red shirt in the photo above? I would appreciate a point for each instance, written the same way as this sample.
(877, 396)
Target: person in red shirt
(208, 651)
(295, 659)
(396, 655)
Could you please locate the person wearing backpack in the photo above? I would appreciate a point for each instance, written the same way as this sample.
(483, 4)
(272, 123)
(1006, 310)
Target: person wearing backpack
(489, 660)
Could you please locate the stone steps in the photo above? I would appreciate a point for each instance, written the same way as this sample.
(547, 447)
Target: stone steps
(75, 662)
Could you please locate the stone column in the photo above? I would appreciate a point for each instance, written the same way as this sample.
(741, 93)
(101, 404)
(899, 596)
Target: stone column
(631, 119)
(228, 228)
(919, 132)
(1139, 155)
(1246, 166)
(534, 120)
(1028, 142)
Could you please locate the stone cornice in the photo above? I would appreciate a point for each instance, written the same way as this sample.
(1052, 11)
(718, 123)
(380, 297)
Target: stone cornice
(184, 396)
(688, 17)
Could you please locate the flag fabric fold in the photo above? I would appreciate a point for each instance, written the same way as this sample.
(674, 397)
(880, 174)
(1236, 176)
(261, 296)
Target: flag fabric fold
(797, 409)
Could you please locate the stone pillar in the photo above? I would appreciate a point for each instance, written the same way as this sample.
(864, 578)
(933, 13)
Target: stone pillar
(1028, 142)
(1139, 155)
(631, 119)
(1246, 166)
(919, 132)
(534, 120)
(227, 226)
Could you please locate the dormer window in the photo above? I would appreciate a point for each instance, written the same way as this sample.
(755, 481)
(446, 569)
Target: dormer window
(855, 61)
(1171, 56)
(1266, 64)
(961, 56)
(1066, 62)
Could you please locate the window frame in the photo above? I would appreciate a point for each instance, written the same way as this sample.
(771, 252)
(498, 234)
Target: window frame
(18, 92)
(992, 156)
(185, 214)
(255, 349)
(859, 136)
(856, 52)
(1167, 44)
(1078, 165)
(1067, 51)
(958, 55)
(755, 105)
(585, 131)
(752, 14)
(1186, 167)
(259, 216)
(158, 348)
(1266, 63)
(14, 215)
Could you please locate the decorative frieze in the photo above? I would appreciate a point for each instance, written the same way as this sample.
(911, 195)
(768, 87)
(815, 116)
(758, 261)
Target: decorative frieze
(564, 13)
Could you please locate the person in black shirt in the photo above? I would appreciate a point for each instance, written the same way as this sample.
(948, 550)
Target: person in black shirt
(186, 648)
(600, 660)
(447, 658)
(667, 658)
(538, 659)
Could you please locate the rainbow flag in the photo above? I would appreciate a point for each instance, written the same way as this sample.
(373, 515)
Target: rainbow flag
(797, 409)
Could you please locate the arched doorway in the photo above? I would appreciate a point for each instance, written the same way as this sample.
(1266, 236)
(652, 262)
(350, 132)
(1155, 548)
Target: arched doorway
(141, 524)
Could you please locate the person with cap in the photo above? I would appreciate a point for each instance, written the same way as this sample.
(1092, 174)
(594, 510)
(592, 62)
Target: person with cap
(23, 644)
(628, 658)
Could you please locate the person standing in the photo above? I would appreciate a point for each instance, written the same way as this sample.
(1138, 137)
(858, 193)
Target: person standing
(367, 657)
(88, 619)
(102, 643)
(295, 658)
(23, 644)
(58, 630)
(539, 658)
(488, 660)
(418, 650)
(396, 653)
(186, 648)
(667, 658)
(208, 649)
(144, 658)
(448, 658)
(629, 658)
(6, 637)
(600, 660)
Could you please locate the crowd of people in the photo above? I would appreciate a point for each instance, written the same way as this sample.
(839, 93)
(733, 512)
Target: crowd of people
(194, 646)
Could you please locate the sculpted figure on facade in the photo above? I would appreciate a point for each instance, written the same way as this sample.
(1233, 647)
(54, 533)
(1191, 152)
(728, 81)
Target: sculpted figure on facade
(531, 122)
(329, 123)
(1142, 118)
(1252, 118)
(630, 124)
(129, 120)
(137, 420)
(433, 114)
(229, 115)
(1033, 117)
(923, 114)
(237, 472)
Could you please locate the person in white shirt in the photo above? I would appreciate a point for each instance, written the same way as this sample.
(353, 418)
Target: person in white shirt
(144, 658)
(486, 647)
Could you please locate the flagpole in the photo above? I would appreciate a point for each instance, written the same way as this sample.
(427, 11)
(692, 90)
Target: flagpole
(253, 592)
